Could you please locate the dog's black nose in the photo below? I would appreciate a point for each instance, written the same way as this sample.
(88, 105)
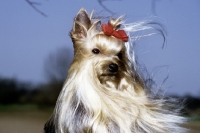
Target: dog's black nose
(113, 67)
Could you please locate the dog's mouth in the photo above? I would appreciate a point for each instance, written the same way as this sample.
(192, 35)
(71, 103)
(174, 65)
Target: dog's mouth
(110, 80)
(108, 74)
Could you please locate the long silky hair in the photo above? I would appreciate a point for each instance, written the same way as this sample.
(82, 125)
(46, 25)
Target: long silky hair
(95, 100)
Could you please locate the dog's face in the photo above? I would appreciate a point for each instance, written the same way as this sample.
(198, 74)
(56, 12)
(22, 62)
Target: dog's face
(107, 55)
(109, 59)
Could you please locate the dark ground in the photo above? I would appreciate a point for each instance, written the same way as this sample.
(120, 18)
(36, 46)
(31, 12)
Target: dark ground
(33, 122)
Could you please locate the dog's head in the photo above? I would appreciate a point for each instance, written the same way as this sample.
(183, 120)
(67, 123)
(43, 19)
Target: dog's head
(107, 54)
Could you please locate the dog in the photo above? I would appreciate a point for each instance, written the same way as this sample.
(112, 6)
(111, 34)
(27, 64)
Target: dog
(104, 92)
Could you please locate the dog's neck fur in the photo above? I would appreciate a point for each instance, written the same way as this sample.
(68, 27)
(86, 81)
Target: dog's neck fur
(93, 100)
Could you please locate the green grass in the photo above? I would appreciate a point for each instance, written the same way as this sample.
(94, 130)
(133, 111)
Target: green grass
(18, 107)
(197, 118)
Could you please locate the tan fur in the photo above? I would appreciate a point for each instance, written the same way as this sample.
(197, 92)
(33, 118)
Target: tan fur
(96, 100)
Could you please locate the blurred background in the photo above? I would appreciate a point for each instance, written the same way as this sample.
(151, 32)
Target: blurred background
(36, 51)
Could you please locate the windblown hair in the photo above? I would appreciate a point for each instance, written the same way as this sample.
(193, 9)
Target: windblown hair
(104, 92)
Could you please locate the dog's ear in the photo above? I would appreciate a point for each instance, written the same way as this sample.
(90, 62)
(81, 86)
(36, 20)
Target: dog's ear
(82, 23)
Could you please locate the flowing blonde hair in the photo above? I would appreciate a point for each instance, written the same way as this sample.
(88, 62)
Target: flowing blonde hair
(90, 103)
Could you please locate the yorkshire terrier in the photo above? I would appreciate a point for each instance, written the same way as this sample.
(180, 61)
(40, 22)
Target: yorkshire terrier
(104, 92)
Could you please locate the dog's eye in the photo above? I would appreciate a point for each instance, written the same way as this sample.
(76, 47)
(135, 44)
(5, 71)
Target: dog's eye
(120, 55)
(96, 51)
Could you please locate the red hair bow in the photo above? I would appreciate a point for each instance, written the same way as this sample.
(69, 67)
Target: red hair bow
(108, 30)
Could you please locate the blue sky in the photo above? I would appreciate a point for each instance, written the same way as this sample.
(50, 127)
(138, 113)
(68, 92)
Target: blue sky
(27, 38)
